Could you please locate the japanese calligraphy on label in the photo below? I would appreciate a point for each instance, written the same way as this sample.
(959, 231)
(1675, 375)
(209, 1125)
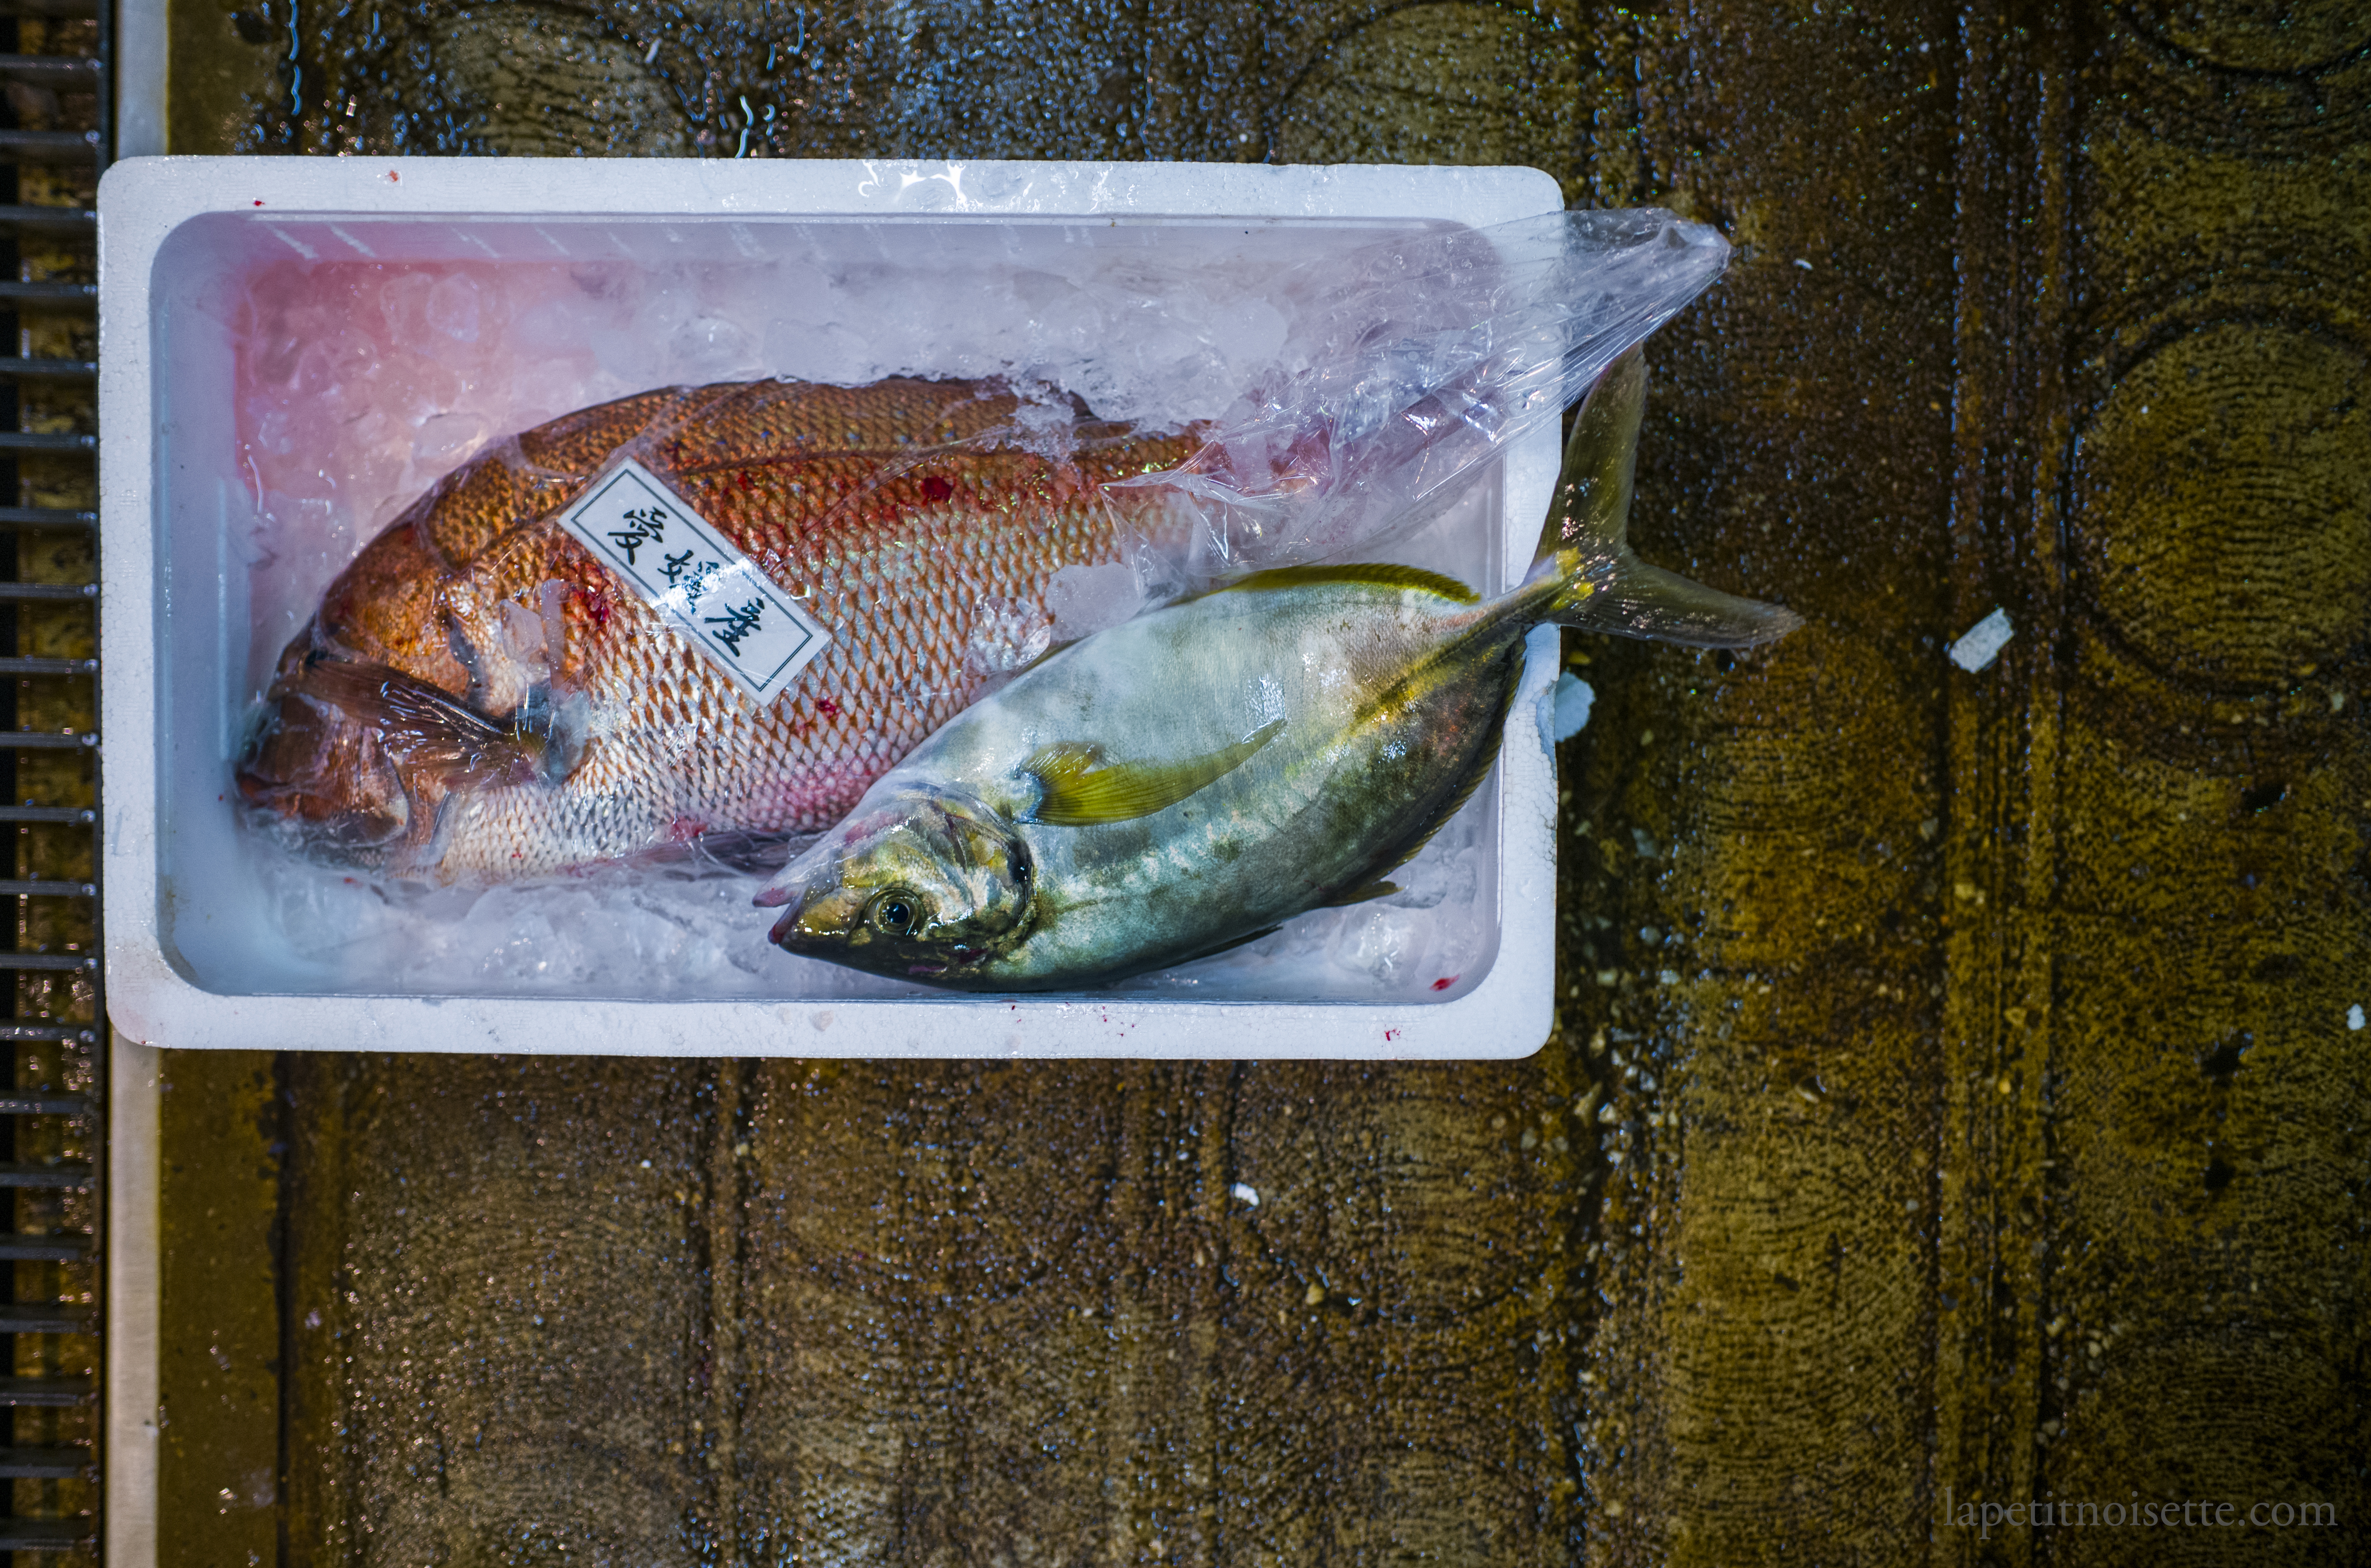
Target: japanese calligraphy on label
(707, 590)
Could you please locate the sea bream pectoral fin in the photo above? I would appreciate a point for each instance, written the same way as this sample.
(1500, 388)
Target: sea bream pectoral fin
(424, 727)
(1078, 786)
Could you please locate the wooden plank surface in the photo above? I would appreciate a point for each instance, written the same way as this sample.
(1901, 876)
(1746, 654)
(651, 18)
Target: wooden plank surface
(1954, 1100)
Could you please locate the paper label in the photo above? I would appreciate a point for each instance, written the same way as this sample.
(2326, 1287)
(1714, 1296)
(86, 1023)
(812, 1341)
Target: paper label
(710, 592)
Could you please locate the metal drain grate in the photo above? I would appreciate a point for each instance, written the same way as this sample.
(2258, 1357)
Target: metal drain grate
(54, 140)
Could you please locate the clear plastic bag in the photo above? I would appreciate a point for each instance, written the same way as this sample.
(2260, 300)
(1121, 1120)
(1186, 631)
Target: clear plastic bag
(1400, 370)
(1418, 361)
(1267, 415)
(1204, 776)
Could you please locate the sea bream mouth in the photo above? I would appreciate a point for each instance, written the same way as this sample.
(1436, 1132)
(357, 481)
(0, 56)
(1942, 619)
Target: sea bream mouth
(347, 757)
(317, 775)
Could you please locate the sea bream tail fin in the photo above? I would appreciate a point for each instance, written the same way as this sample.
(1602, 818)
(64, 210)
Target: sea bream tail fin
(1586, 542)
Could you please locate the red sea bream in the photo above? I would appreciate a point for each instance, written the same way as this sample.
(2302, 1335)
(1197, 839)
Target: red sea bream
(478, 699)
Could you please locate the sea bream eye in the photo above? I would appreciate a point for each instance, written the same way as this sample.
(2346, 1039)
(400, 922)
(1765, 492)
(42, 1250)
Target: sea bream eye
(896, 913)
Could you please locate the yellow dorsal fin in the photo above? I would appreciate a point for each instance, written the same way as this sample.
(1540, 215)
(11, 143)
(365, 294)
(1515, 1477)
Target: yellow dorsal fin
(1377, 574)
(1079, 788)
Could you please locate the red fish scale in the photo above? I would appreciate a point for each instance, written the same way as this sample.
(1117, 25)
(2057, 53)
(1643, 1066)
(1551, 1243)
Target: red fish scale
(895, 548)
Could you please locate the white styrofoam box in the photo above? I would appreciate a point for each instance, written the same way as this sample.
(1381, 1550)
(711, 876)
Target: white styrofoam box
(193, 960)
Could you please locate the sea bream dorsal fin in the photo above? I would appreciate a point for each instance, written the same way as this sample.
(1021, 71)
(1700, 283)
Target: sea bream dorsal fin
(1079, 787)
(1379, 574)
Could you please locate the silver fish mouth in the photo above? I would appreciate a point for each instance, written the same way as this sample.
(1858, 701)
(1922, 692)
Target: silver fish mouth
(798, 889)
(800, 926)
(790, 885)
(832, 923)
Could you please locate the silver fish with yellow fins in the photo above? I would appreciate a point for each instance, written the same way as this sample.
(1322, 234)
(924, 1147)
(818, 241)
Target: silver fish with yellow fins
(1193, 777)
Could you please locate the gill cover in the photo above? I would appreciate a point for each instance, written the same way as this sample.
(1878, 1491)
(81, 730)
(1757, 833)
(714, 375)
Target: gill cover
(423, 727)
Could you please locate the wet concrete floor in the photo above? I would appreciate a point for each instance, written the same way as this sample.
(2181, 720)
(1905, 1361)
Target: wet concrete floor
(1955, 1095)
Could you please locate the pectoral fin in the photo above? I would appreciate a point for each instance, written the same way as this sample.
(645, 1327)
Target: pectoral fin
(1078, 788)
(1361, 894)
(424, 726)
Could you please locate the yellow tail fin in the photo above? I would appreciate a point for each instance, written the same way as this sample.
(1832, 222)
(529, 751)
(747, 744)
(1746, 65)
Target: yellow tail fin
(1586, 542)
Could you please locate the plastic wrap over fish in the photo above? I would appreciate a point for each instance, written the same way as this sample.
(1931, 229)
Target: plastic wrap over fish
(483, 695)
(1424, 358)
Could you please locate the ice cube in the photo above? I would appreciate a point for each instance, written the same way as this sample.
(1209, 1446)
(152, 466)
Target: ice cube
(451, 308)
(1568, 704)
(1087, 599)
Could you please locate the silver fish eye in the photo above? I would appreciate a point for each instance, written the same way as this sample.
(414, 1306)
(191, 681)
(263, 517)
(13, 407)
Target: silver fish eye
(896, 912)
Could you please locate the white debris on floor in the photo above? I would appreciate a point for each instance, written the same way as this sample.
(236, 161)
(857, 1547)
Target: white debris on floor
(1982, 643)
